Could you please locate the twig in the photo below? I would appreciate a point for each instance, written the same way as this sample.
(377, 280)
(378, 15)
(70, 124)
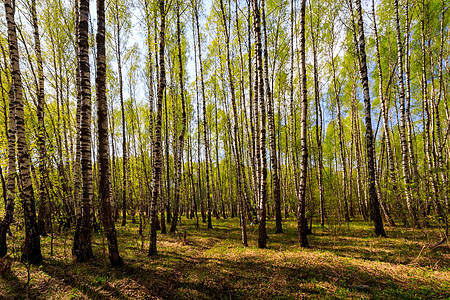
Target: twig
(434, 246)
(420, 253)
(283, 253)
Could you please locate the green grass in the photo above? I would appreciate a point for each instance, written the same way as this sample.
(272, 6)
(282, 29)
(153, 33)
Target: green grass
(343, 262)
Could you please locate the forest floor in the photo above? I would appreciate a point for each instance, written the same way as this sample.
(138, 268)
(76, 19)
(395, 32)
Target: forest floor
(343, 262)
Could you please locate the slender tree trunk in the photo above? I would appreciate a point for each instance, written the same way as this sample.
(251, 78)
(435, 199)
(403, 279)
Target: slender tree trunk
(205, 120)
(125, 187)
(384, 209)
(301, 207)
(403, 141)
(261, 159)
(255, 117)
(77, 165)
(357, 146)
(427, 120)
(44, 212)
(247, 206)
(385, 113)
(440, 144)
(272, 139)
(157, 151)
(314, 31)
(293, 117)
(12, 172)
(31, 250)
(412, 158)
(173, 98)
(84, 250)
(180, 141)
(219, 180)
(115, 197)
(104, 168)
(199, 185)
(235, 130)
(360, 48)
(340, 127)
(194, 192)
(166, 148)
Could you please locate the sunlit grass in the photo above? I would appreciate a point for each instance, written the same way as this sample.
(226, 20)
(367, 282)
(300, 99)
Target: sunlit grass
(344, 262)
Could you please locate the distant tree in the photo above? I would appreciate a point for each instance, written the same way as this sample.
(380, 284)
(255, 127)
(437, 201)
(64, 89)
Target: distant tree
(205, 121)
(180, 139)
(120, 25)
(403, 141)
(236, 139)
(384, 111)
(318, 110)
(271, 121)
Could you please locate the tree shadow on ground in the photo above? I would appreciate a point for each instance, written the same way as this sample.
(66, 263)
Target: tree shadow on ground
(213, 264)
(17, 289)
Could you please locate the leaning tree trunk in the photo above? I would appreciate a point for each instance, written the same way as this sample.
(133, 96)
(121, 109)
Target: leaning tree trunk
(84, 236)
(31, 250)
(385, 114)
(104, 168)
(360, 48)
(157, 149)
(44, 222)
